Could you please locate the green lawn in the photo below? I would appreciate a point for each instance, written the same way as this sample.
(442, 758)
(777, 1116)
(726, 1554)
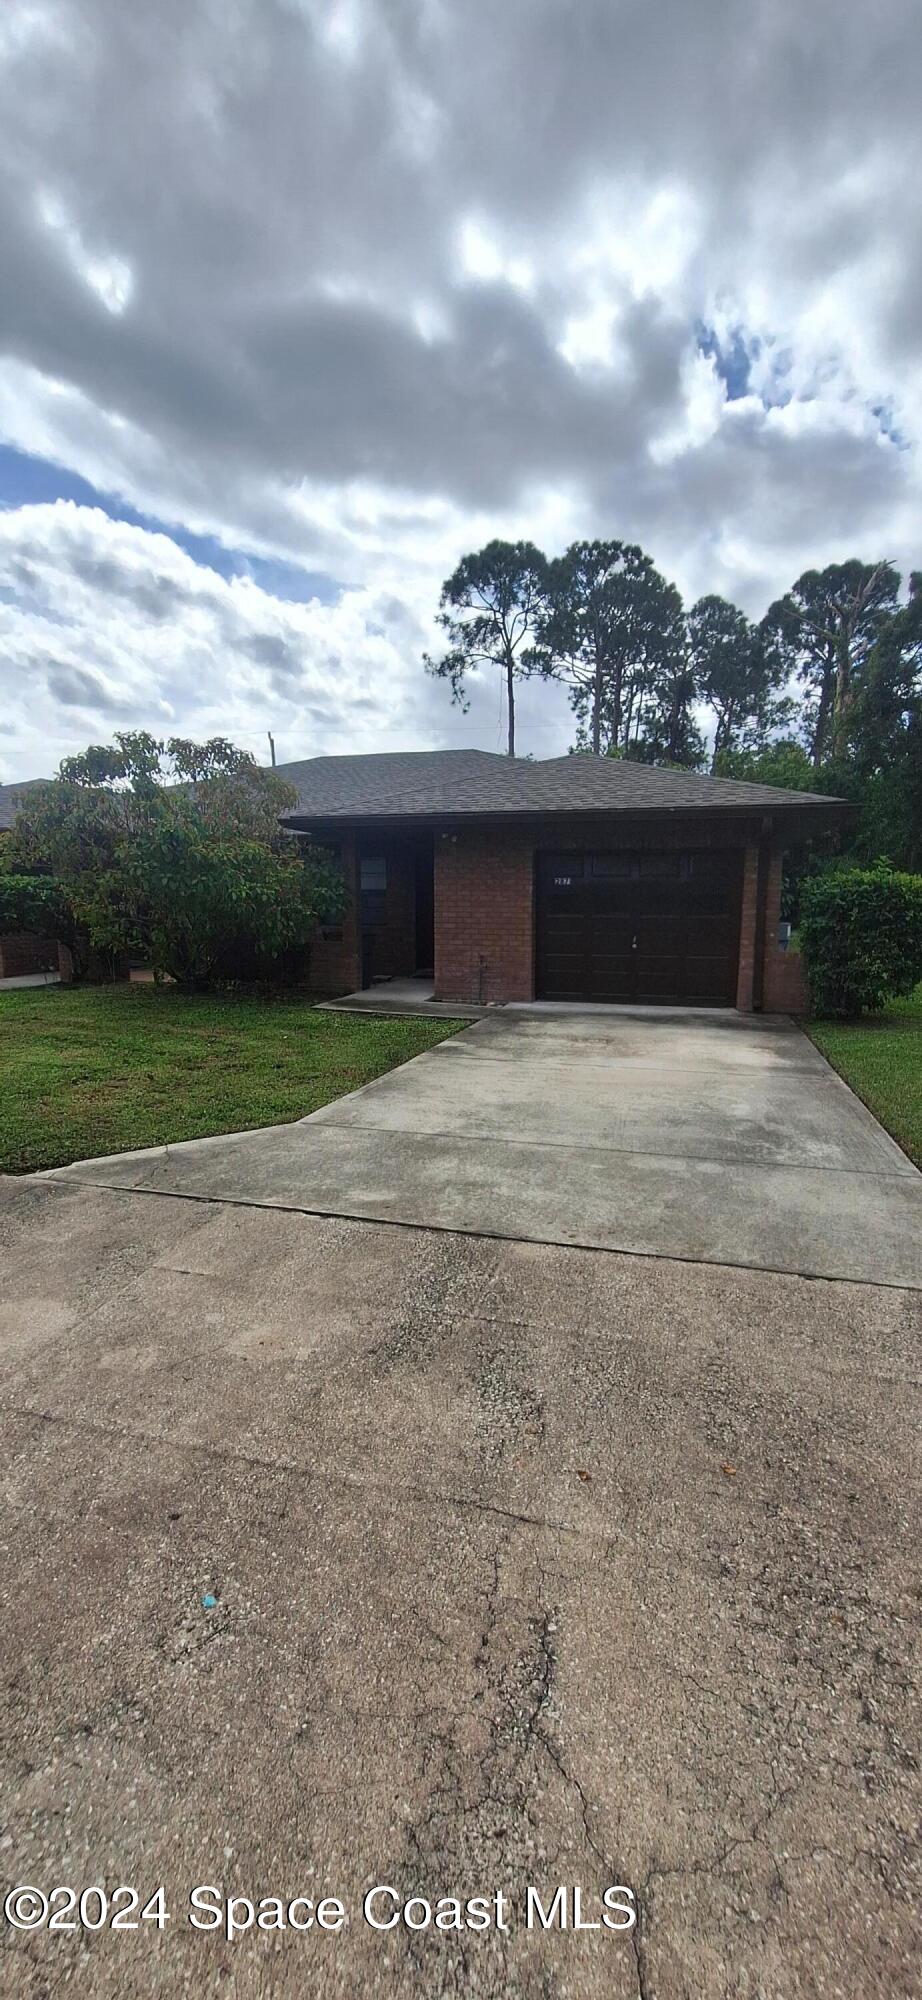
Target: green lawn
(882, 1060)
(103, 1069)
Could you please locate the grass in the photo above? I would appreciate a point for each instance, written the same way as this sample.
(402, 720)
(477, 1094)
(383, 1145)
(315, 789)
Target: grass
(94, 1070)
(882, 1060)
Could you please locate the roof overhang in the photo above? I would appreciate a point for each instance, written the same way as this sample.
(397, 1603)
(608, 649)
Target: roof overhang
(795, 818)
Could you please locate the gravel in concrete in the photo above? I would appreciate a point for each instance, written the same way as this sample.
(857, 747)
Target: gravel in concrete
(528, 1565)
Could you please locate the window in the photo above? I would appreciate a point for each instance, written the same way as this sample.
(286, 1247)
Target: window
(373, 872)
(660, 867)
(373, 887)
(562, 870)
(615, 867)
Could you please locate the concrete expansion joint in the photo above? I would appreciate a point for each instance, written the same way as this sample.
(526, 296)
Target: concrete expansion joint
(484, 1234)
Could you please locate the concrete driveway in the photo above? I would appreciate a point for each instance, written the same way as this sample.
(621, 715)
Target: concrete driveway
(336, 1553)
(705, 1136)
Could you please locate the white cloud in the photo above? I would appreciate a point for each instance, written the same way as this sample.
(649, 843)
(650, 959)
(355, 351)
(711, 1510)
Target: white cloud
(361, 285)
(109, 276)
(104, 626)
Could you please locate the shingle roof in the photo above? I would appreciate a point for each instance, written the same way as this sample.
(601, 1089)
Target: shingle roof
(9, 801)
(424, 783)
(405, 784)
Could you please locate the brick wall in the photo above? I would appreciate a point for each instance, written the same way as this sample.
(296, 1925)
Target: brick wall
(335, 961)
(22, 954)
(745, 982)
(484, 916)
(785, 988)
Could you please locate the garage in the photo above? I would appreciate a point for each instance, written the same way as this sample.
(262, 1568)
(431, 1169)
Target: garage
(652, 927)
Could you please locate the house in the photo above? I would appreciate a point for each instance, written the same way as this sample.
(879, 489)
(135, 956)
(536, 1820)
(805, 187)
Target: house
(573, 878)
(25, 958)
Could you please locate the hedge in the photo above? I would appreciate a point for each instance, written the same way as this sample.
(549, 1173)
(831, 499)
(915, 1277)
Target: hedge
(861, 938)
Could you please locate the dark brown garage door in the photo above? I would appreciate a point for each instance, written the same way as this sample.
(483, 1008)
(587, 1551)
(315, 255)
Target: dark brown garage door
(649, 927)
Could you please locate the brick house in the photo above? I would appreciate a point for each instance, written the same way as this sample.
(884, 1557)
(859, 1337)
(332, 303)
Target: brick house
(573, 878)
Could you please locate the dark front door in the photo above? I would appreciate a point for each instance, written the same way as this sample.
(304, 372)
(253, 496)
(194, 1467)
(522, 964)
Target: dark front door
(651, 926)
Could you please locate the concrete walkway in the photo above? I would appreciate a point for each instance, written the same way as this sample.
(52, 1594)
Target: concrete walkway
(408, 996)
(707, 1137)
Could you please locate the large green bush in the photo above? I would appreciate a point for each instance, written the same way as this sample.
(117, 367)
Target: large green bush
(861, 937)
(175, 852)
(31, 903)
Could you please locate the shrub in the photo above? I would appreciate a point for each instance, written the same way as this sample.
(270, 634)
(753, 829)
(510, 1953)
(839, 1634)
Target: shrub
(32, 903)
(176, 852)
(861, 937)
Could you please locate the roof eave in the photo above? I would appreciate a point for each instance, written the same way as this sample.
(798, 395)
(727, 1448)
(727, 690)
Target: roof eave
(833, 811)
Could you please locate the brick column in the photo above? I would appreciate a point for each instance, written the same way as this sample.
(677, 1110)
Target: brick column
(773, 900)
(744, 982)
(785, 987)
(484, 916)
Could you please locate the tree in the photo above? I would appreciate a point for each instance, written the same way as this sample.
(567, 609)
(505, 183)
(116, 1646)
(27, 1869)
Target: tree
(784, 763)
(489, 609)
(826, 628)
(175, 851)
(739, 670)
(30, 902)
(887, 739)
(670, 734)
(609, 630)
(585, 633)
(667, 731)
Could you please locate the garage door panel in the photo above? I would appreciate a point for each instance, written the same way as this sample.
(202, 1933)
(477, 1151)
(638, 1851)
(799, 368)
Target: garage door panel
(612, 934)
(566, 933)
(664, 934)
(604, 900)
(657, 926)
(610, 971)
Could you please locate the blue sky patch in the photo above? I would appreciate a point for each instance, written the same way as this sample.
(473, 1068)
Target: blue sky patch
(732, 359)
(30, 482)
(889, 426)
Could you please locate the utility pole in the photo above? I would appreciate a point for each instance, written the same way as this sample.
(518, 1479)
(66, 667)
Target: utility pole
(271, 746)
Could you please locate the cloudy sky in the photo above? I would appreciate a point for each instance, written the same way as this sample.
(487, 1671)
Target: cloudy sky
(300, 299)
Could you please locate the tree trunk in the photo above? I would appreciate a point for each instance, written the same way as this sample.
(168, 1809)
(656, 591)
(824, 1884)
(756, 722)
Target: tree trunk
(842, 694)
(597, 708)
(510, 697)
(616, 702)
(628, 714)
(822, 715)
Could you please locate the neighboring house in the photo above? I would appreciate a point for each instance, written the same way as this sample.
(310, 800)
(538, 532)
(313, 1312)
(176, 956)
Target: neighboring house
(574, 878)
(10, 801)
(23, 955)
